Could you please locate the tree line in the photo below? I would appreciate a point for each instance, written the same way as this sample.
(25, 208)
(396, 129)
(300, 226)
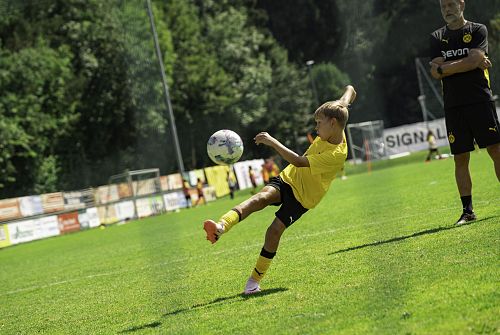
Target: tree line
(82, 97)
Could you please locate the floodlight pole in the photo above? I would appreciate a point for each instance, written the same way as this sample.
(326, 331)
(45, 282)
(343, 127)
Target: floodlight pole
(165, 88)
(309, 64)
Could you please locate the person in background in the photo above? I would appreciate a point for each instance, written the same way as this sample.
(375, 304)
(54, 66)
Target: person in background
(231, 182)
(199, 189)
(251, 175)
(433, 149)
(187, 195)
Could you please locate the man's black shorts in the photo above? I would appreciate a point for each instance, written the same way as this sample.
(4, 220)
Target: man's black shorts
(291, 209)
(478, 122)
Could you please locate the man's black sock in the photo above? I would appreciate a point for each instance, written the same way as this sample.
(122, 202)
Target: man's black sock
(467, 203)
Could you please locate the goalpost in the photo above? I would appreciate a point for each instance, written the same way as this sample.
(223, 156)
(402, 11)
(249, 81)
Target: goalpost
(366, 140)
(430, 97)
(134, 194)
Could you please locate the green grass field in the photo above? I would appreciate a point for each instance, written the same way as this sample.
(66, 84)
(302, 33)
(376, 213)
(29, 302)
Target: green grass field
(379, 255)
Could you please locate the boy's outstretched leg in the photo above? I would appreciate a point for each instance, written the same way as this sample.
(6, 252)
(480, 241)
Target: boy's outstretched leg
(273, 235)
(267, 196)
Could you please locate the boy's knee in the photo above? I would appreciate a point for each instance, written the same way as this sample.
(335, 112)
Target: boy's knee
(276, 228)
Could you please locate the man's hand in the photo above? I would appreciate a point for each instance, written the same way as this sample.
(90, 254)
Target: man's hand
(434, 73)
(486, 63)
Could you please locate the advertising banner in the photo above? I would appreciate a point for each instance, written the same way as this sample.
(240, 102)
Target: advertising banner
(156, 204)
(124, 190)
(174, 200)
(107, 214)
(52, 202)
(217, 178)
(93, 217)
(413, 137)
(143, 207)
(31, 205)
(241, 171)
(4, 236)
(145, 186)
(21, 231)
(68, 222)
(174, 181)
(106, 194)
(125, 210)
(83, 218)
(73, 200)
(46, 227)
(9, 209)
(209, 193)
(194, 175)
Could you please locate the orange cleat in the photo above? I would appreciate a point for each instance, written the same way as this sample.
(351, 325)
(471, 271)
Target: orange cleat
(213, 230)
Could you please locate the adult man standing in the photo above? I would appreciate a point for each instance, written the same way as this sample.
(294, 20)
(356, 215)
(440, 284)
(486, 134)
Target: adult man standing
(459, 59)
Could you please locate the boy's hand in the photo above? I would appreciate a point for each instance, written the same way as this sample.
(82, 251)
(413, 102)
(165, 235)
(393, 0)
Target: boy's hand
(264, 138)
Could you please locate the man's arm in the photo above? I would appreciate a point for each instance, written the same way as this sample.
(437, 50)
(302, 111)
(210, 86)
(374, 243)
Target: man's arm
(476, 59)
(287, 154)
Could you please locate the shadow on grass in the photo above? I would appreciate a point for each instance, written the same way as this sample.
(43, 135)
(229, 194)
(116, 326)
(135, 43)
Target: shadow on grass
(207, 304)
(402, 238)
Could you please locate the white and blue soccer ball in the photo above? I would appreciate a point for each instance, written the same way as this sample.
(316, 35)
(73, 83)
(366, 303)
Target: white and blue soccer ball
(225, 147)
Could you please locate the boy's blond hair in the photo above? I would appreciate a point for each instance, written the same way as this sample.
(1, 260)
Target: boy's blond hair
(334, 109)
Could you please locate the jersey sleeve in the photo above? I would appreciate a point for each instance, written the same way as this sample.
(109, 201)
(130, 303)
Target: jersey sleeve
(480, 39)
(434, 47)
(325, 162)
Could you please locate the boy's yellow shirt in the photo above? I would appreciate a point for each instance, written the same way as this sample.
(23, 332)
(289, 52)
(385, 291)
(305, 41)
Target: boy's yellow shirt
(309, 184)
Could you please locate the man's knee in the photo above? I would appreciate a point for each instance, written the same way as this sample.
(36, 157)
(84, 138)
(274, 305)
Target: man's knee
(461, 160)
(494, 151)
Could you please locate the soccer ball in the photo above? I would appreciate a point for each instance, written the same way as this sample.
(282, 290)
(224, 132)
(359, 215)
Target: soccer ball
(225, 147)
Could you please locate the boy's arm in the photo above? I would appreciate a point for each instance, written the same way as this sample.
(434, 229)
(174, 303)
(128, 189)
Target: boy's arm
(287, 154)
(348, 97)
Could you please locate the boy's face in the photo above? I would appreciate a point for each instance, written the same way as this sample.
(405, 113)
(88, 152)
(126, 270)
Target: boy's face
(324, 126)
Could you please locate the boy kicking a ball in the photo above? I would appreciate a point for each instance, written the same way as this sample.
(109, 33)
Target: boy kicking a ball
(298, 188)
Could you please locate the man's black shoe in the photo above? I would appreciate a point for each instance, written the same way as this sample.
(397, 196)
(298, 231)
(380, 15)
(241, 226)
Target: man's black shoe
(466, 217)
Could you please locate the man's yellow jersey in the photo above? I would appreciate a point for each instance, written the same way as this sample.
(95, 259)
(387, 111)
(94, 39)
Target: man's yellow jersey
(309, 184)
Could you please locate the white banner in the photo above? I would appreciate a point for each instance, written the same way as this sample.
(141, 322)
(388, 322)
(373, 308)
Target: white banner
(125, 210)
(93, 217)
(174, 200)
(241, 172)
(413, 137)
(21, 231)
(143, 207)
(46, 227)
(31, 205)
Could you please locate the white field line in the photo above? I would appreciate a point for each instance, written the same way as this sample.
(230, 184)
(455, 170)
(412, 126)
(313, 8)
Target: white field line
(227, 250)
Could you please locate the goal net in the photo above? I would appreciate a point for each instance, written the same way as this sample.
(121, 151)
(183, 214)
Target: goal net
(131, 195)
(366, 140)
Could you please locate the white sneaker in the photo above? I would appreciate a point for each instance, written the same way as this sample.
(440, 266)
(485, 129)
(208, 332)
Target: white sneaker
(251, 287)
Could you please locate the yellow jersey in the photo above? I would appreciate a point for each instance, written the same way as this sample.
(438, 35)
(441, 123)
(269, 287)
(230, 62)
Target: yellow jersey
(309, 184)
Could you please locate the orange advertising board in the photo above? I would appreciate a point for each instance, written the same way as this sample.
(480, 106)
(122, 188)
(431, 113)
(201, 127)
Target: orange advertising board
(9, 209)
(68, 222)
(52, 202)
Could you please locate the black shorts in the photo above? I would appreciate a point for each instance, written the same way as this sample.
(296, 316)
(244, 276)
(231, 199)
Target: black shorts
(478, 122)
(291, 209)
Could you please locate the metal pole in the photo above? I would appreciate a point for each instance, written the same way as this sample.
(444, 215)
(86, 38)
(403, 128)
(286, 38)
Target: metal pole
(429, 81)
(309, 64)
(421, 100)
(349, 139)
(165, 88)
